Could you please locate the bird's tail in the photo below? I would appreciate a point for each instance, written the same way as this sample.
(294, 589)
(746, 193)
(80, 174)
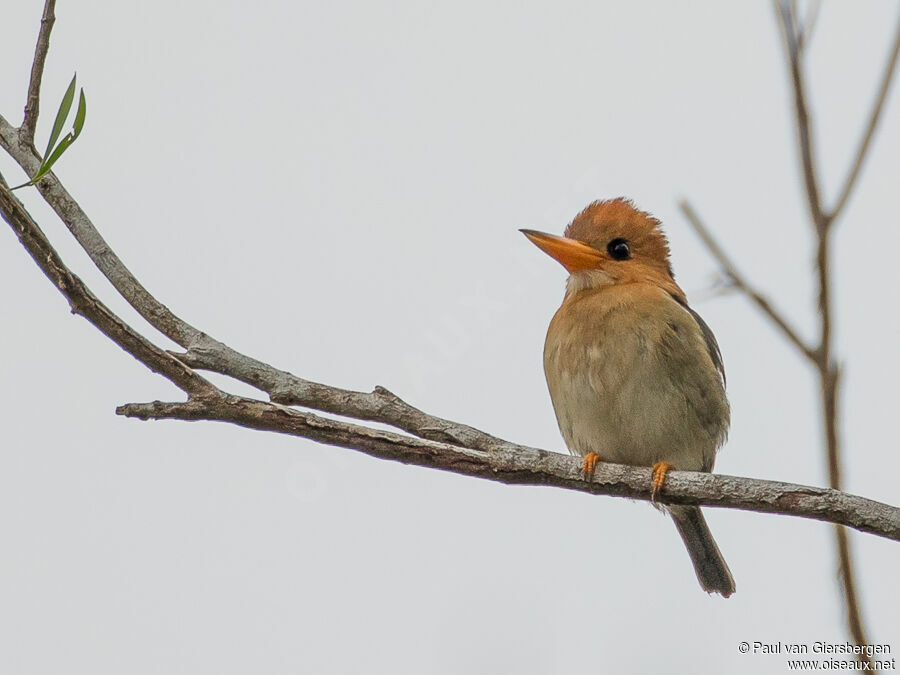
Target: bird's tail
(711, 568)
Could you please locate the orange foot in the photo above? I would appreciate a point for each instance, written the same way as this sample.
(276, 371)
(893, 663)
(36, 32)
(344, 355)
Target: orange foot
(589, 465)
(659, 476)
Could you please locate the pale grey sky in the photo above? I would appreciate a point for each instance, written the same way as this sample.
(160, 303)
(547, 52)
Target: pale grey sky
(337, 189)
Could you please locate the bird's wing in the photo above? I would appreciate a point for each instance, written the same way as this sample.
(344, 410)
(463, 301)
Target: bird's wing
(714, 352)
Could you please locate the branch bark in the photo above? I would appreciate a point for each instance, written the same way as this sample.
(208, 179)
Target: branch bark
(32, 103)
(521, 465)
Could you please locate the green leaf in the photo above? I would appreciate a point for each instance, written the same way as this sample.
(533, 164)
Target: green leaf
(61, 115)
(51, 156)
(80, 114)
(55, 155)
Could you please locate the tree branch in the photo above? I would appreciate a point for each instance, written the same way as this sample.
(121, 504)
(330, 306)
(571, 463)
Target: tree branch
(380, 405)
(827, 370)
(85, 303)
(32, 103)
(730, 270)
(496, 459)
(106, 260)
(795, 38)
(207, 353)
(874, 116)
(521, 465)
(804, 133)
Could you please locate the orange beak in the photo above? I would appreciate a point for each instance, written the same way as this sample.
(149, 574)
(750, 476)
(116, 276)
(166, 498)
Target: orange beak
(570, 253)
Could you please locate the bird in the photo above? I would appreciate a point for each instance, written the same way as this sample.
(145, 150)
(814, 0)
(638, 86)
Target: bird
(635, 375)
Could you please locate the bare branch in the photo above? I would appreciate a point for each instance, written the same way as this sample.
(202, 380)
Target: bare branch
(521, 465)
(208, 353)
(85, 303)
(874, 116)
(845, 570)
(822, 221)
(823, 351)
(380, 405)
(807, 152)
(96, 247)
(731, 272)
(503, 461)
(32, 103)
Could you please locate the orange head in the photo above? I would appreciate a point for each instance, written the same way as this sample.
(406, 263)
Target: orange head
(611, 242)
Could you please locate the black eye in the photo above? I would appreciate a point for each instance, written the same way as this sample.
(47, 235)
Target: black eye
(619, 249)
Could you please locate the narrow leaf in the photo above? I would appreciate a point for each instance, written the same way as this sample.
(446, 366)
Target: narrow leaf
(48, 163)
(61, 115)
(80, 114)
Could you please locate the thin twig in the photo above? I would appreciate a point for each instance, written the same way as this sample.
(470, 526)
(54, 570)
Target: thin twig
(32, 103)
(874, 116)
(731, 272)
(521, 465)
(854, 614)
(823, 351)
(804, 124)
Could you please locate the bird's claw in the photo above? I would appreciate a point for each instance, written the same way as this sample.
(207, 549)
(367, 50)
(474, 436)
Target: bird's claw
(590, 465)
(659, 477)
